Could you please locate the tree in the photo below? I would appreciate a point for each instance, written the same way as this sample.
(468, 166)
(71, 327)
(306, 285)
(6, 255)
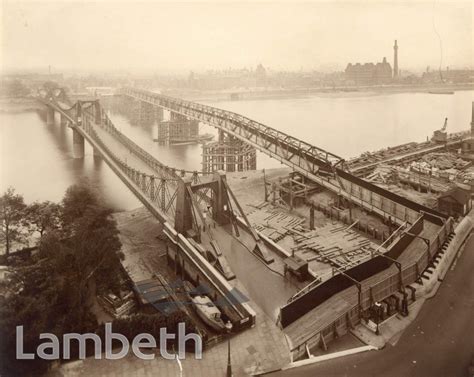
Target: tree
(43, 216)
(90, 245)
(51, 291)
(14, 88)
(50, 85)
(12, 209)
(77, 199)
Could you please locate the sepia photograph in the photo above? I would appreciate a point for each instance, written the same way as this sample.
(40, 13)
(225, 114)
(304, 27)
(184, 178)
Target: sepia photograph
(237, 188)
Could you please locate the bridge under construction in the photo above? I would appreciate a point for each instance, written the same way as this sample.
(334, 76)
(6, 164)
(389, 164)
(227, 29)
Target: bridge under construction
(196, 207)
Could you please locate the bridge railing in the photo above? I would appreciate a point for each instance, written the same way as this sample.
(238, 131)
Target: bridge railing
(141, 153)
(162, 191)
(139, 183)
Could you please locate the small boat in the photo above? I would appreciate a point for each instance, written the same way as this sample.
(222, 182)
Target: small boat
(441, 92)
(208, 312)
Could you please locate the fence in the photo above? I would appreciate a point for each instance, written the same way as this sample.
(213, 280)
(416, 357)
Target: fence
(392, 283)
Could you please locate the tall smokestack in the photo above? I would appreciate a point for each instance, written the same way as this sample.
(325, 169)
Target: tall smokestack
(472, 121)
(395, 60)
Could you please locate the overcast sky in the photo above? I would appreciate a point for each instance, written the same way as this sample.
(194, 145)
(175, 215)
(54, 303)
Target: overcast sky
(178, 37)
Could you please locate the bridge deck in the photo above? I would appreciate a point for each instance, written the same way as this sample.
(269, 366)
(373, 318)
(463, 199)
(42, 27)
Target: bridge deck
(122, 152)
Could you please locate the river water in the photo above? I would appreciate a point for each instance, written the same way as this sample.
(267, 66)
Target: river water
(37, 159)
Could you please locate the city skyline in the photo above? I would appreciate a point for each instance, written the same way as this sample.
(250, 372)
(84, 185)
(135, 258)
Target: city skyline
(178, 38)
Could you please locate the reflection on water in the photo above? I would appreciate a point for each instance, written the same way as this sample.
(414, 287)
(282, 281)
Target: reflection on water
(37, 159)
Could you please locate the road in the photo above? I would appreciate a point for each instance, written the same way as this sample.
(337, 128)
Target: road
(440, 342)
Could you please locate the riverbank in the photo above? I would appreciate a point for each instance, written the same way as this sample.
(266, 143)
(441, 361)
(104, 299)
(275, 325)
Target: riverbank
(338, 92)
(14, 105)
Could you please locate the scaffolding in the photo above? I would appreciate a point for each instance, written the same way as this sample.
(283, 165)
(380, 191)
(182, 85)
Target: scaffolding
(228, 154)
(178, 129)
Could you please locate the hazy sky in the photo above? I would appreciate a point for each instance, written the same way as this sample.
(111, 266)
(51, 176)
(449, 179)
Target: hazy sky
(160, 36)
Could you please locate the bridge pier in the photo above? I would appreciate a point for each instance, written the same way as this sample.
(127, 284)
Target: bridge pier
(229, 154)
(78, 144)
(178, 128)
(97, 112)
(146, 113)
(220, 204)
(49, 115)
(96, 153)
(63, 120)
(159, 114)
(183, 220)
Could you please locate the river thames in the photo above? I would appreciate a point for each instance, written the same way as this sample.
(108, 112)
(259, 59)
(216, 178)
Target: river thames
(38, 159)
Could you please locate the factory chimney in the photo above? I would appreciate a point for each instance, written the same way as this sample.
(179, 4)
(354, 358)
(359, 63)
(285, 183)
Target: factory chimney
(472, 121)
(395, 60)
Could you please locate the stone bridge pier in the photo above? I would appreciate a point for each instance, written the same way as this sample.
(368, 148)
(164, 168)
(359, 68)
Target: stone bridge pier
(63, 120)
(49, 115)
(77, 138)
(78, 144)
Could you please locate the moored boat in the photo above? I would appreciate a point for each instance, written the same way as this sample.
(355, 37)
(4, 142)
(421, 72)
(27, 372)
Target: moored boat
(441, 92)
(208, 312)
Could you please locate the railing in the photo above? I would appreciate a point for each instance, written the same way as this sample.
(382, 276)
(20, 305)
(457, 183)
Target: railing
(142, 186)
(161, 191)
(151, 161)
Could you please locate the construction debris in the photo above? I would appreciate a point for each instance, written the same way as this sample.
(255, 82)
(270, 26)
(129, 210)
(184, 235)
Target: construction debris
(116, 306)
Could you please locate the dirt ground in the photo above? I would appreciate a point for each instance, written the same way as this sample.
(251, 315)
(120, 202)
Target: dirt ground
(145, 252)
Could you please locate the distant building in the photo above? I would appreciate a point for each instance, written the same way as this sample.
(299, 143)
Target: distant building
(226, 79)
(261, 76)
(369, 73)
(455, 76)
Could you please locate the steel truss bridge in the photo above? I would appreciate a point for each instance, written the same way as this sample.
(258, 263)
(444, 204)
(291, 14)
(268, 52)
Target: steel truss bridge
(177, 198)
(318, 165)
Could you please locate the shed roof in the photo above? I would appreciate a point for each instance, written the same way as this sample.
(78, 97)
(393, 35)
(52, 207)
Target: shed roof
(458, 194)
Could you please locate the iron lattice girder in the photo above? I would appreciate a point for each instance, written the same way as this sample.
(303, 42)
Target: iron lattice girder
(159, 189)
(266, 139)
(82, 117)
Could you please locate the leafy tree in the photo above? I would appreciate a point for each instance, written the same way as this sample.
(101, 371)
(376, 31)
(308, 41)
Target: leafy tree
(50, 85)
(43, 216)
(76, 201)
(12, 209)
(51, 291)
(41, 299)
(14, 88)
(90, 254)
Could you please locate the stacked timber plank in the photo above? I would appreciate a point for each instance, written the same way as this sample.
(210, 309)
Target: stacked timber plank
(339, 246)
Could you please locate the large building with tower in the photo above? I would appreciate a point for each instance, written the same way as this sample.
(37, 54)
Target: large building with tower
(373, 73)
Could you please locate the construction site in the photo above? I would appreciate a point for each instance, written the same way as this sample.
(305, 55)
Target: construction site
(317, 256)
